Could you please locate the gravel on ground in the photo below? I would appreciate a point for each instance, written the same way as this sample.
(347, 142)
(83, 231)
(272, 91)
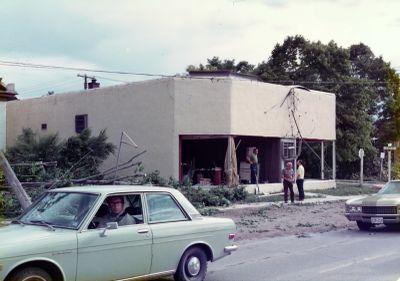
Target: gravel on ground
(287, 219)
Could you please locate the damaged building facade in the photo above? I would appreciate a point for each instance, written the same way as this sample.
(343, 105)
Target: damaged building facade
(184, 123)
(7, 93)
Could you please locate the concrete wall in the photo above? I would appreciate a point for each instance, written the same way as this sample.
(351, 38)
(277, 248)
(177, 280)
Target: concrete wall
(145, 111)
(261, 109)
(2, 125)
(155, 112)
(231, 106)
(202, 106)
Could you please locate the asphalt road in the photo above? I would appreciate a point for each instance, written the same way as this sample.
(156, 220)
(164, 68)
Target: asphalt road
(338, 255)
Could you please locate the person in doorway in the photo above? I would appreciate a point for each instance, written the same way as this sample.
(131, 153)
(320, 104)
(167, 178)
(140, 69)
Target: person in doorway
(252, 158)
(288, 179)
(300, 179)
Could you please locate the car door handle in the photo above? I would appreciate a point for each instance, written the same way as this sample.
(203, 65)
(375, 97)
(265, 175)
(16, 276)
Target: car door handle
(143, 230)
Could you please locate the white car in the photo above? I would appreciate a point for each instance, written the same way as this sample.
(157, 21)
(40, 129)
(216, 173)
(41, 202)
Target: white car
(70, 234)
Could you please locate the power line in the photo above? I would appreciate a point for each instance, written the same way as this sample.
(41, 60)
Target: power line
(111, 79)
(293, 82)
(64, 83)
(44, 66)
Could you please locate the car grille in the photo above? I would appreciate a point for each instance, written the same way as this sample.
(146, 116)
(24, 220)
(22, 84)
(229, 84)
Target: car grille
(379, 209)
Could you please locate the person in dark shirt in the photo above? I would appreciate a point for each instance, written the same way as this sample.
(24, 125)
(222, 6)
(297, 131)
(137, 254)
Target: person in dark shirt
(252, 158)
(288, 179)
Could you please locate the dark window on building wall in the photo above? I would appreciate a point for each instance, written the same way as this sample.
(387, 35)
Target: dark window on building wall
(44, 127)
(81, 123)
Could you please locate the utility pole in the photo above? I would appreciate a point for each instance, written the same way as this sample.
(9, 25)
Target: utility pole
(15, 185)
(389, 148)
(85, 77)
(92, 84)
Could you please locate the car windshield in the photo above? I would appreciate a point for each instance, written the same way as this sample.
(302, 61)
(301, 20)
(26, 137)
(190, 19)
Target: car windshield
(60, 209)
(392, 187)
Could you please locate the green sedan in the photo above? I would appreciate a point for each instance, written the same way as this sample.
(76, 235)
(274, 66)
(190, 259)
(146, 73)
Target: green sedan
(97, 233)
(381, 208)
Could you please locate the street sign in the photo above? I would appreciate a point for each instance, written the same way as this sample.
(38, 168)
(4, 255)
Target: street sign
(389, 148)
(361, 153)
(382, 155)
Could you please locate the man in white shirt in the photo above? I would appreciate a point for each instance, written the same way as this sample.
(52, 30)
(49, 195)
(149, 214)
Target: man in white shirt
(300, 179)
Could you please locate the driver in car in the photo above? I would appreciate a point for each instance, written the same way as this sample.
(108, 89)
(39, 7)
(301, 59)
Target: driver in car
(116, 212)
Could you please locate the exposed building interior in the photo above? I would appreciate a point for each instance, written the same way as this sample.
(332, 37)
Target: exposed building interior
(202, 158)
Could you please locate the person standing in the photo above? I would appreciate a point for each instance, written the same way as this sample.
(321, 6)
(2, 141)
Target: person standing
(252, 158)
(300, 179)
(288, 179)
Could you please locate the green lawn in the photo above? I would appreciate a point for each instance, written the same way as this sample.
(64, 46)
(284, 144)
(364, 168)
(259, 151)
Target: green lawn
(344, 189)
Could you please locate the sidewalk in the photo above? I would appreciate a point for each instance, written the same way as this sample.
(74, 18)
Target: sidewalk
(313, 198)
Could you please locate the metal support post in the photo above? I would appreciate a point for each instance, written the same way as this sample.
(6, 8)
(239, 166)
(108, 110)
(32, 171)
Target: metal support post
(322, 161)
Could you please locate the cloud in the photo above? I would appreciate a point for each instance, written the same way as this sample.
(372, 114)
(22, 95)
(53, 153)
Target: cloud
(158, 36)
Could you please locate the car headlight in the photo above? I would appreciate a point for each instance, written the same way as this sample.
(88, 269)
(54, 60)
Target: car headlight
(353, 209)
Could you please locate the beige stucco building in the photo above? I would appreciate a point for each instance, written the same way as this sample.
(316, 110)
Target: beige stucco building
(7, 93)
(183, 122)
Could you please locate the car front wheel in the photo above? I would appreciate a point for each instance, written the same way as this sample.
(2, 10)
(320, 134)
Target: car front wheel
(192, 266)
(31, 274)
(363, 225)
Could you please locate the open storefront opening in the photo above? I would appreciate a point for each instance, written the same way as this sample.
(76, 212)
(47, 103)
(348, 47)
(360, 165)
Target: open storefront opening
(202, 158)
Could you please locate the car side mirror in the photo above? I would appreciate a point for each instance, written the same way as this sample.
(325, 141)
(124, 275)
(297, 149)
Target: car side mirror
(109, 225)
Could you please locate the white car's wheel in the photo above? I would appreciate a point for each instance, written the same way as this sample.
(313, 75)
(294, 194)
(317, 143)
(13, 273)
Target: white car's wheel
(31, 274)
(192, 266)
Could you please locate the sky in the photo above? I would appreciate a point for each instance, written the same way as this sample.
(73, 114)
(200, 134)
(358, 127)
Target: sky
(165, 36)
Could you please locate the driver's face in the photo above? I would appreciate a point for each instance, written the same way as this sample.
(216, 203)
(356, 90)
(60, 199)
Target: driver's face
(116, 205)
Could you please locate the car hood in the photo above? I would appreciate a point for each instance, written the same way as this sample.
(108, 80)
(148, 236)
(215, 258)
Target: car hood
(382, 200)
(376, 200)
(25, 240)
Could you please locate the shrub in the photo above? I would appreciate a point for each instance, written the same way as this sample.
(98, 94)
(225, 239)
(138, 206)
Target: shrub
(155, 179)
(9, 205)
(214, 197)
(79, 156)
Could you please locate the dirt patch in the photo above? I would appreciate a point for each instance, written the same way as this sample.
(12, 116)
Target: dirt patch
(279, 219)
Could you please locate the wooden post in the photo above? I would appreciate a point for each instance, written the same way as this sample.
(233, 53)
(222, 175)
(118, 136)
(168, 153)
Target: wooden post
(14, 183)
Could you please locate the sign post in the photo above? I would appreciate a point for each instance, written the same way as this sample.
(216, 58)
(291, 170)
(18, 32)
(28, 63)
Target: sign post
(380, 172)
(361, 155)
(389, 148)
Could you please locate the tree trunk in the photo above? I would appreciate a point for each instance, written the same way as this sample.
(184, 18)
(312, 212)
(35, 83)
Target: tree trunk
(14, 183)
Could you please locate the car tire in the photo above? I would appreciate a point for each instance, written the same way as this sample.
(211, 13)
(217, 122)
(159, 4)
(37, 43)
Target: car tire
(31, 274)
(192, 266)
(363, 225)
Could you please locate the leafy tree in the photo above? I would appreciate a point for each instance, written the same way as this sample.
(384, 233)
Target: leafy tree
(367, 92)
(30, 148)
(78, 156)
(84, 153)
(215, 64)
